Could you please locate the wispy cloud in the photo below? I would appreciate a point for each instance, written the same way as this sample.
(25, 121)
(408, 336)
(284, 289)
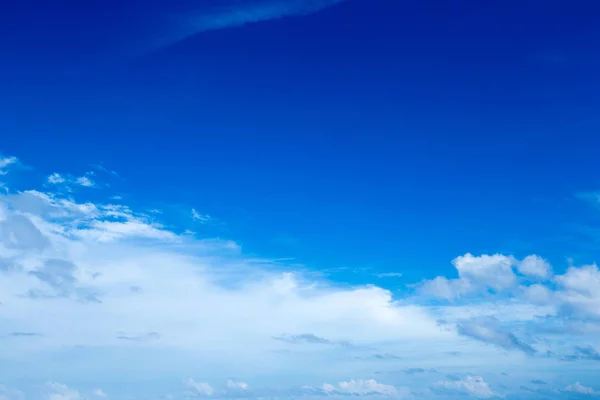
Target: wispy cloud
(237, 14)
(25, 334)
(6, 162)
(309, 338)
(489, 330)
(202, 218)
(140, 338)
(389, 275)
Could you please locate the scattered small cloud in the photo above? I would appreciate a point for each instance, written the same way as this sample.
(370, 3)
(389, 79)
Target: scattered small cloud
(309, 338)
(68, 180)
(389, 275)
(202, 218)
(414, 371)
(361, 387)
(58, 391)
(100, 167)
(237, 386)
(99, 393)
(198, 388)
(85, 181)
(56, 179)
(145, 337)
(581, 389)
(6, 162)
(471, 385)
(25, 334)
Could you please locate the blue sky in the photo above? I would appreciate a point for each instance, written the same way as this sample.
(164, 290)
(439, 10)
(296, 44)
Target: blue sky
(303, 198)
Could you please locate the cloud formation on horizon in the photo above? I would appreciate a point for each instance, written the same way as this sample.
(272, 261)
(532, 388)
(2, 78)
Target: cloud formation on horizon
(76, 276)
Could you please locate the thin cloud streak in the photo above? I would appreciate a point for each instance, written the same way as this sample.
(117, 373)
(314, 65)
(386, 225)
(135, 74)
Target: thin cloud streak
(238, 15)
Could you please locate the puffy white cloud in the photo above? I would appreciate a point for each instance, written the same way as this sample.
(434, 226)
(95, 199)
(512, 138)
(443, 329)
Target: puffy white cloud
(56, 178)
(581, 389)
(494, 272)
(361, 387)
(476, 274)
(472, 385)
(142, 287)
(198, 388)
(534, 266)
(85, 181)
(58, 391)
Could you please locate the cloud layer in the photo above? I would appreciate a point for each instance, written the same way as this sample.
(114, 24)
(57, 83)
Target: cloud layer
(96, 282)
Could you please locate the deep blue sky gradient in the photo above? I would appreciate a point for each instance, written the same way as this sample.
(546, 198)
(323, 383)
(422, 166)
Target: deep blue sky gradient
(392, 135)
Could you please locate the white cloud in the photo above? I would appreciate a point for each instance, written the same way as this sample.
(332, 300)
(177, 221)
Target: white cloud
(58, 391)
(56, 178)
(481, 274)
(240, 14)
(579, 291)
(199, 388)
(534, 266)
(361, 387)
(196, 216)
(59, 179)
(204, 307)
(6, 162)
(476, 274)
(472, 385)
(85, 181)
(493, 271)
(389, 275)
(99, 393)
(232, 385)
(579, 388)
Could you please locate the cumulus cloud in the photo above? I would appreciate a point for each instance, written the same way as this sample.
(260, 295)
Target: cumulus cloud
(216, 308)
(581, 389)
(534, 266)
(361, 387)
(58, 391)
(471, 385)
(198, 388)
(78, 261)
(56, 179)
(476, 273)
